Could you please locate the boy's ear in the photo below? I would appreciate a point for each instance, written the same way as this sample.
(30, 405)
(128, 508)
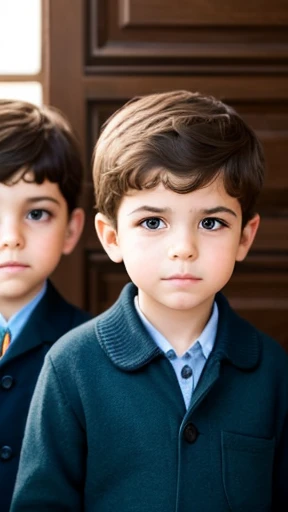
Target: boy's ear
(107, 235)
(247, 237)
(74, 230)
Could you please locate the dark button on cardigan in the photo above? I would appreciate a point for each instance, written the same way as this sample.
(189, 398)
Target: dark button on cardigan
(190, 433)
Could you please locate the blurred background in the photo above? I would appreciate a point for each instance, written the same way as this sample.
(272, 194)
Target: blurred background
(88, 57)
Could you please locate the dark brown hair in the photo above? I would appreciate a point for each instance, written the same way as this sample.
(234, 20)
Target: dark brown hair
(39, 140)
(182, 139)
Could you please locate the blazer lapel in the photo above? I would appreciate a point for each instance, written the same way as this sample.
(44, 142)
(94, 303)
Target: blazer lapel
(46, 324)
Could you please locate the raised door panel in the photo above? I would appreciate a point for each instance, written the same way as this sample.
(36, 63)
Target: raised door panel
(187, 36)
(203, 13)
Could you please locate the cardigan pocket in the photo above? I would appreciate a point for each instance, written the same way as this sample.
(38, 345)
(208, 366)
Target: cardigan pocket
(247, 471)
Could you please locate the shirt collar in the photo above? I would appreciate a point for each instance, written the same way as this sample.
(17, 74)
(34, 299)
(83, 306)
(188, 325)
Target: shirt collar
(205, 341)
(123, 337)
(19, 319)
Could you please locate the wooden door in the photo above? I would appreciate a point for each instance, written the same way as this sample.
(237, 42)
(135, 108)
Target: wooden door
(103, 52)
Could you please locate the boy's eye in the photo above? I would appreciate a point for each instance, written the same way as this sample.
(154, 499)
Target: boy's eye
(153, 223)
(38, 215)
(212, 224)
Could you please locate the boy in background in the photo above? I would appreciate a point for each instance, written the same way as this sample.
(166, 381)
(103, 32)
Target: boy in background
(168, 401)
(40, 182)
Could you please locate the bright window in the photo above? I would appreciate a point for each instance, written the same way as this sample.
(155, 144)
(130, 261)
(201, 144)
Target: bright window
(20, 50)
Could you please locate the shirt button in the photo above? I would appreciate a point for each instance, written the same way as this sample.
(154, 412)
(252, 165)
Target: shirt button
(7, 382)
(186, 371)
(5, 453)
(171, 354)
(190, 433)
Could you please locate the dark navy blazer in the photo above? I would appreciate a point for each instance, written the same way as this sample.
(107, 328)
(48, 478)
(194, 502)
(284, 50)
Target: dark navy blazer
(19, 369)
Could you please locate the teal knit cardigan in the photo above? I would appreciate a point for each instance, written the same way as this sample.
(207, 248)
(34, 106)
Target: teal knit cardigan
(108, 429)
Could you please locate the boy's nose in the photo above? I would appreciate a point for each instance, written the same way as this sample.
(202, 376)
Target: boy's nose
(11, 237)
(184, 249)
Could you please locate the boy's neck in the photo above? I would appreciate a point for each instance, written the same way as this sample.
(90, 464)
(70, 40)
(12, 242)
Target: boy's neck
(181, 328)
(9, 307)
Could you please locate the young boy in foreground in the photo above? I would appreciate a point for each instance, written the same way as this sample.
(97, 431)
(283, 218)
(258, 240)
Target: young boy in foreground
(168, 401)
(40, 177)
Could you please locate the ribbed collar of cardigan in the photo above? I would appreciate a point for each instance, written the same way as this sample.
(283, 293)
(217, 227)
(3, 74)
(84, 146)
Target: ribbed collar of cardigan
(129, 346)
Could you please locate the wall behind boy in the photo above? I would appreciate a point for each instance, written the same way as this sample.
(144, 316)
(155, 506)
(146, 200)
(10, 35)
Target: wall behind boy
(103, 52)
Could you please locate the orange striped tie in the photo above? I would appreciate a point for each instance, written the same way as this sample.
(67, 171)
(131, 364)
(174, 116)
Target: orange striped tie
(5, 341)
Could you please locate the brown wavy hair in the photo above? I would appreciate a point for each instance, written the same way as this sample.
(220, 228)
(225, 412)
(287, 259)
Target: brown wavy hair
(39, 140)
(185, 141)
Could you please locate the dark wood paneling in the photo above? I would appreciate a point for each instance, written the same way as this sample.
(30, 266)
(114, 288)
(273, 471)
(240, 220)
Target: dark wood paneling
(64, 90)
(104, 281)
(165, 36)
(196, 12)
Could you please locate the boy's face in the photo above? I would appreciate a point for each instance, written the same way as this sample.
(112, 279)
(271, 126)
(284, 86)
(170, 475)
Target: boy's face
(34, 232)
(178, 249)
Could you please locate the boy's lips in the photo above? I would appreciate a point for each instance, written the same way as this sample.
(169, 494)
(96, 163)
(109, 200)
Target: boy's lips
(182, 277)
(13, 266)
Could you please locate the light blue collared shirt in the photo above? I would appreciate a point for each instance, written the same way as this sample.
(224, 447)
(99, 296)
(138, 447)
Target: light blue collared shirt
(190, 365)
(17, 321)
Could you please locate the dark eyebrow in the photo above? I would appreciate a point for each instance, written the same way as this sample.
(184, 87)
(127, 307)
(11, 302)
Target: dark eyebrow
(219, 209)
(150, 209)
(208, 211)
(38, 199)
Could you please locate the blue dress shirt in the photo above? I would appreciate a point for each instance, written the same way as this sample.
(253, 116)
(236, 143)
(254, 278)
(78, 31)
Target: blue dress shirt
(17, 321)
(190, 365)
